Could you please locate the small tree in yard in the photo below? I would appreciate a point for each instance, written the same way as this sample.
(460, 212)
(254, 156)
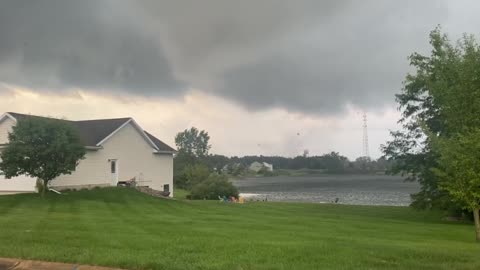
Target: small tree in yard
(41, 148)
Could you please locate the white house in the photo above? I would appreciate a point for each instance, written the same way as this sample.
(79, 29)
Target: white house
(257, 166)
(268, 166)
(116, 150)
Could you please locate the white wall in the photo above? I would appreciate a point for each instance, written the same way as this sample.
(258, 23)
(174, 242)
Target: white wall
(5, 127)
(16, 184)
(134, 157)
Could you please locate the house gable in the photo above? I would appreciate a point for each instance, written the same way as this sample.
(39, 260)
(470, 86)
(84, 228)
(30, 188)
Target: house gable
(129, 134)
(6, 124)
(133, 124)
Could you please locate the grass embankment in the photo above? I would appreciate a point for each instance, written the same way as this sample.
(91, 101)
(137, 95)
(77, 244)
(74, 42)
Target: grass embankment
(124, 228)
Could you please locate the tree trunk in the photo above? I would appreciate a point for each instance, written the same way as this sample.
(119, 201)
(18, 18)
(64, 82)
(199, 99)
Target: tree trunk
(45, 188)
(476, 216)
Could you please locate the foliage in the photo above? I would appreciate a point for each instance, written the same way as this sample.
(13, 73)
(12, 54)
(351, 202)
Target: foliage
(457, 95)
(181, 161)
(126, 229)
(195, 174)
(459, 170)
(440, 146)
(410, 148)
(328, 163)
(215, 186)
(191, 175)
(193, 142)
(42, 148)
(193, 146)
(459, 167)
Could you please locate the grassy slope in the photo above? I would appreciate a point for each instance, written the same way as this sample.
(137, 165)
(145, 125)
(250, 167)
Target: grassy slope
(120, 227)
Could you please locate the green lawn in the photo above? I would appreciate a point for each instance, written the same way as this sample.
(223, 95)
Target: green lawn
(124, 228)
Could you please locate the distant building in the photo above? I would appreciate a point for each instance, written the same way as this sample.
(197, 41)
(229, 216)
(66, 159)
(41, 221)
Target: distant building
(268, 166)
(257, 166)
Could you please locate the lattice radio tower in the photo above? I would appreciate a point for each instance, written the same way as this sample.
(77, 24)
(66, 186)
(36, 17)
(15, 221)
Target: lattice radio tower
(365, 136)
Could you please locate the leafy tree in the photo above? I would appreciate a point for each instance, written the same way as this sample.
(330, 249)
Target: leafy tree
(194, 174)
(193, 142)
(41, 148)
(193, 146)
(459, 170)
(411, 148)
(335, 163)
(441, 104)
(363, 164)
(456, 92)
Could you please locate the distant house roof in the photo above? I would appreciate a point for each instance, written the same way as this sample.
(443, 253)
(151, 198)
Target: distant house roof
(94, 132)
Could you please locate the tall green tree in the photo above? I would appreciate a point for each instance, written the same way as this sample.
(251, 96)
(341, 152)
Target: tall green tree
(441, 105)
(193, 146)
(193, 142)
(41, 148)
(410, 148)
(457, 95)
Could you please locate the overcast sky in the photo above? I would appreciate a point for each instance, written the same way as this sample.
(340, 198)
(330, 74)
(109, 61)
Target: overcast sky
(269, 77)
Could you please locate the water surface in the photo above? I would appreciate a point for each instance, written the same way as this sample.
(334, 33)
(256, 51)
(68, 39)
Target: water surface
(349, 189)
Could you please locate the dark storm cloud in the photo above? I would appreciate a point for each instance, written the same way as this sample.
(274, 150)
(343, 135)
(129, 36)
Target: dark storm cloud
(305, 55)
(88, 44)
(358, 57)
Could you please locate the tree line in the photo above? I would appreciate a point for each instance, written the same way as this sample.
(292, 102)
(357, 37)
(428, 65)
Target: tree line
(329, 163)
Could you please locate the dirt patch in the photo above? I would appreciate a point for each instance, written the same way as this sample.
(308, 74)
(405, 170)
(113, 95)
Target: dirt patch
(19, 264)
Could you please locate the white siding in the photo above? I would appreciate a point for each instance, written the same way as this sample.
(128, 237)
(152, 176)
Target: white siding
(92, 170)
(135, 158)
(16, 184)
(5, 127)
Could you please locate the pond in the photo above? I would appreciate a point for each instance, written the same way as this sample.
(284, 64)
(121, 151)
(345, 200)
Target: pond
(345, 189)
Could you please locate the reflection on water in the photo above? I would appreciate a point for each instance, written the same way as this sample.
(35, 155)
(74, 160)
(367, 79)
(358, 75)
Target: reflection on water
(349, 189)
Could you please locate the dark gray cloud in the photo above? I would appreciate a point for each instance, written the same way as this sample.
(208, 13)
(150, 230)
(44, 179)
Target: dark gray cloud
(359, 58)
(306, 55)
(89, 44)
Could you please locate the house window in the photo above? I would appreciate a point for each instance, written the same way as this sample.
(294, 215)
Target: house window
(113, 166)
(166, 188)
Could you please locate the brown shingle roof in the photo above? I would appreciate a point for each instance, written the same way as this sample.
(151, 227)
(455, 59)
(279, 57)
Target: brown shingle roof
(94, 131)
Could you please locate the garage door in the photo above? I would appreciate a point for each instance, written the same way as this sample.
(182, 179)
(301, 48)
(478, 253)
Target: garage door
(17, 184)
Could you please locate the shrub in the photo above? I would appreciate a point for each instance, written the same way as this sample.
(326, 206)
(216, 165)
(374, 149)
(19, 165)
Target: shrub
(215, 186)
(192, 175)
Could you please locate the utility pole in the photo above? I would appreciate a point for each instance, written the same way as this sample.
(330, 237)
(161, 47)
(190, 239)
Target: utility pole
(365, 136)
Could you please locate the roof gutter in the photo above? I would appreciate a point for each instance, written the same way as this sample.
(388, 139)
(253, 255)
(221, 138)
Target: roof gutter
(93, 147)
(86, 147)
(164, 152)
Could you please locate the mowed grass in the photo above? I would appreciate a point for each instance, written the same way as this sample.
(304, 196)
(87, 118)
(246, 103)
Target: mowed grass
(124, 228)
